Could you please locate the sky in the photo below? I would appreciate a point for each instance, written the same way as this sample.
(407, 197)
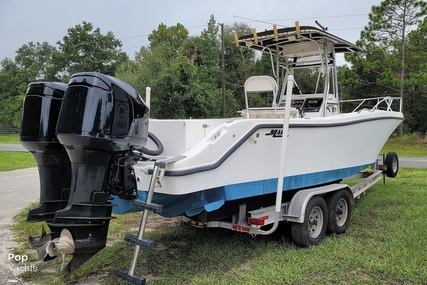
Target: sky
(131, 21)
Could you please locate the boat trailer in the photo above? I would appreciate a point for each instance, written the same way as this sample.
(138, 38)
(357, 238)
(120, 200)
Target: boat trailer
(311, 212)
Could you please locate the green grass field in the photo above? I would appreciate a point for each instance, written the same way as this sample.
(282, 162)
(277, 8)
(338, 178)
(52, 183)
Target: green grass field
(15, 160)
(12, 138)
(408, 145)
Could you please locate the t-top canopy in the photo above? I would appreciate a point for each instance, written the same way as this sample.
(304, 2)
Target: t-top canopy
(291, 36)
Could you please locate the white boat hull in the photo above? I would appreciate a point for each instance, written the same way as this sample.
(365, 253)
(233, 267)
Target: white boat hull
(237, 159)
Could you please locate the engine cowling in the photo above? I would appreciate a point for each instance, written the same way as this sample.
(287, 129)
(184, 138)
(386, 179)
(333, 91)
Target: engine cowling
(42, 104)
(102, 121)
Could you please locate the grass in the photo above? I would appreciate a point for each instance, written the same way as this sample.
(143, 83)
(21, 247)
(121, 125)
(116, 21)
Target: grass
(408, 145)
(15, 160)
(384, 244)
(11, 138)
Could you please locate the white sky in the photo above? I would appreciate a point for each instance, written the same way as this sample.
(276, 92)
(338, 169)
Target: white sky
(23, 21)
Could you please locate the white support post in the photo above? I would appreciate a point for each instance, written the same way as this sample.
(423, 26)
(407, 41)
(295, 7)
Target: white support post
(281, 174)
(285, 132)
(148, 96)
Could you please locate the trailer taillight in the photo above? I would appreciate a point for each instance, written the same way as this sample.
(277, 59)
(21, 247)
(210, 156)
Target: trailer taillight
(257, 221)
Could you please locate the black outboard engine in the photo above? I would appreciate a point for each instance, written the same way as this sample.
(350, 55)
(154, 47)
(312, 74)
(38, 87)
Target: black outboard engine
(102, 120)
(42, 104)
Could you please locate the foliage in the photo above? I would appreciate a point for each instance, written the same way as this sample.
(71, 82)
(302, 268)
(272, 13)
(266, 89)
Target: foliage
(82, 49)
(382, 68)
(390, 22)
(416, 67)
(183, 73)
(86, 49)
(10, 111)
(239, 62)
(36, 60)
(168, 40)
(12, 80)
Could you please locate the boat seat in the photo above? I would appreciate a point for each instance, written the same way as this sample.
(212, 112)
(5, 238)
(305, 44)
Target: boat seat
(259, 84)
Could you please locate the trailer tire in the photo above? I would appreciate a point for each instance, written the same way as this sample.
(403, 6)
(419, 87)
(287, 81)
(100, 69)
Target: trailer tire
(313, 229)
(339, 211)
(392, 163)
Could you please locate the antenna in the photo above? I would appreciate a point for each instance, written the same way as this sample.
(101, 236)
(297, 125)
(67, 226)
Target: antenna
(258, 21)
(322, 27)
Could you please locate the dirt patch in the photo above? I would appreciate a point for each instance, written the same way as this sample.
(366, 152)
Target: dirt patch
(19, 188)
(156, 222)
(91, 280)
(10, 270)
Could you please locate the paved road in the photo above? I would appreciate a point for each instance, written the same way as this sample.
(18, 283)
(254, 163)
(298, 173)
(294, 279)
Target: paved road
(417, 162)
(12, 147)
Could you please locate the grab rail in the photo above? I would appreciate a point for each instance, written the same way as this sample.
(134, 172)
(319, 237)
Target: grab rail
(380, 101)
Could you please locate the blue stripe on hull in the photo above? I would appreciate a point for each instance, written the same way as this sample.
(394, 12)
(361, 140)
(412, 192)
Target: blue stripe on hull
(212, 199)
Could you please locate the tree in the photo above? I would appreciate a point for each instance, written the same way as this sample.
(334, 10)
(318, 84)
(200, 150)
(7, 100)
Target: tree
(239, 62)
(13, 84)
(385, 37)
(168, 40)
(183, 73)
(12, 79)
(416, 70)
(36, 60)
(86, 49)
(83, 49)
(210, 52)
(32, 63)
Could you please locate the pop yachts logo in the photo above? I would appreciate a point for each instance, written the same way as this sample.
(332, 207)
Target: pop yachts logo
(23, 266)
(275, 133)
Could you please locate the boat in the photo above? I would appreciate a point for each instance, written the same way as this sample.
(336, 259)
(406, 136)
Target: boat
(212, 163)
(97, 133)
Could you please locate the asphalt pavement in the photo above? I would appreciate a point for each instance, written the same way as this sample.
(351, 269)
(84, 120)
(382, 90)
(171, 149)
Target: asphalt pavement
(12, 147)
(416, 162)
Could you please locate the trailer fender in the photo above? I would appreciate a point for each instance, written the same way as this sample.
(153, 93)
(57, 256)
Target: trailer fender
(299, 201)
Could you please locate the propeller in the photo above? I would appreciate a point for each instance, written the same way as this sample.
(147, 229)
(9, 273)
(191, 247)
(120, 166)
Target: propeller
(64, 245)
(40, 243)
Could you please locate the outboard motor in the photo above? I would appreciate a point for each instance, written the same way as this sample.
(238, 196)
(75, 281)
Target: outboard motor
(102, 121)
(41, 108)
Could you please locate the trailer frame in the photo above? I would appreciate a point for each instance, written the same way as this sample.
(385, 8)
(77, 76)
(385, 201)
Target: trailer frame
(292, 211)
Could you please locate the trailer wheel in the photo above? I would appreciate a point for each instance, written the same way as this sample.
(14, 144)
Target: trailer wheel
(392, 163)
(313, 229)
(339, 211)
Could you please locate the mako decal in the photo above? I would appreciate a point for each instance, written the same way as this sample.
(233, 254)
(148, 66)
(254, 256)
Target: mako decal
(275, 133)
